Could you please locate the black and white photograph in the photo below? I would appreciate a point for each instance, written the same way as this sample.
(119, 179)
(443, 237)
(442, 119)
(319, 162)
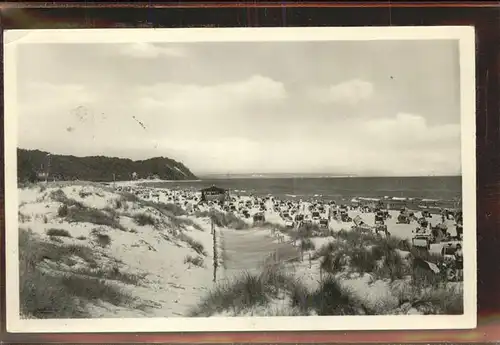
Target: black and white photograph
(240, 179)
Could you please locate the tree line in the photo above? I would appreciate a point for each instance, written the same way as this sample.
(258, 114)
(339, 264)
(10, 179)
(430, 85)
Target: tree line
(33, 165)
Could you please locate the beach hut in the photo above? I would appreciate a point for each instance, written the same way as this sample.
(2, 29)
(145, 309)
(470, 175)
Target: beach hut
(214, 193)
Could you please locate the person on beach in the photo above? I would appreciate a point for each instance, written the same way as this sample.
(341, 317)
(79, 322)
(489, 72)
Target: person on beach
(459, 230)
(459, 262)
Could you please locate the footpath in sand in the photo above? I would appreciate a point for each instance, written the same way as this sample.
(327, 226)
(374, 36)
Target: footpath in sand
(247, 251)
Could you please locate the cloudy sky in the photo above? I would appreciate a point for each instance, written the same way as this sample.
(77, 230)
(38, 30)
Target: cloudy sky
(364, 107)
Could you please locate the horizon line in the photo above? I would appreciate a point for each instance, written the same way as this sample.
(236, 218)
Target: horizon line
(247, 174)
(310, 175)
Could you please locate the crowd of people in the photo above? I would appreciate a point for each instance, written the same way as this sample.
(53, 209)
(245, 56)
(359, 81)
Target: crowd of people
(323, 213)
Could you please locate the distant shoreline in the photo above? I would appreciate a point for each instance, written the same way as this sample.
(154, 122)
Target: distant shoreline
(135, 182)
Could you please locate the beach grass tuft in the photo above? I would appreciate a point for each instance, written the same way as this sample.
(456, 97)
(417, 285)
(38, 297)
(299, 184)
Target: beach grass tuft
(195, 260)
(195, 245)
(250, 292)
(143, 219)
(46, 293)
(224, 219)
(102, 239)
(58, 232)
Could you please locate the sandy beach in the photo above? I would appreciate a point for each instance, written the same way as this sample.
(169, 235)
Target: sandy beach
(156, 248)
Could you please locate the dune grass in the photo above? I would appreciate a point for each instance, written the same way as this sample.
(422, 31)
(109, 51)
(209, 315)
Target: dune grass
(55, 294)
(173, 209)
(75, 211)
(78, 213)
(101, 238)
(195, 260)
(143, 219)
(113, 273)
(167, 209)
(224, 219)
(249, 292)
(364, 252)
(330, 298)
(242, 293)
(58, 232)
(443, 300)
(195, 245)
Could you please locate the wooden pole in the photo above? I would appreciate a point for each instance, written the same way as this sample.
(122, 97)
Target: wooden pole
(214, 250)
(310, 261)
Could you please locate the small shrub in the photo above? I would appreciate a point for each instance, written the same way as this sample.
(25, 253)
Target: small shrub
(58, 195)
(359, 237)
(174, 209)
(58, 232)
(56, 239)
(144, 219)
(63, 211)
(325, 249)
(81, 238)
(83, 194)
(102, 239)
(332, 263)
(197, 261)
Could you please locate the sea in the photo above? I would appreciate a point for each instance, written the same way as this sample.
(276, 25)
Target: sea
(446, 188)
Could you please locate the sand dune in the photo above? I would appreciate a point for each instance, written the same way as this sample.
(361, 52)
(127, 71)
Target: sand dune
(160, 256)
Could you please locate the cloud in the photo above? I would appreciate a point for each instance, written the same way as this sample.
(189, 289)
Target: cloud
(43, 93)
(378, 147)
(350, 92)
(404, 145)
(150, 51)
(79, 119)
(228, 102)
(411, 131)
(229, 127)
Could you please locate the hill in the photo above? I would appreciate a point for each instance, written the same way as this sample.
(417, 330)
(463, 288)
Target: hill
(31, 164)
